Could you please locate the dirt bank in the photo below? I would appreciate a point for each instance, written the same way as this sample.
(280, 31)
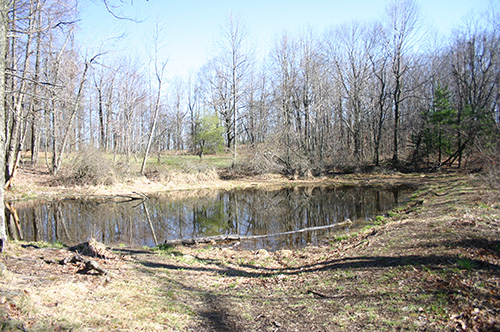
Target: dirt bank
(433, 265)
(36, 183)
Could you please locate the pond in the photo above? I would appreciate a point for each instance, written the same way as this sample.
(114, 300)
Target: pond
(194, 214)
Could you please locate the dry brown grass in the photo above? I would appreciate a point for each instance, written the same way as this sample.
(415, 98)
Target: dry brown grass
(431, 266)
(51, 297)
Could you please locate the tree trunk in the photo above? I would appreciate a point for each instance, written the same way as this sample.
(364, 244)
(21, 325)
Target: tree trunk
(35, 131)
(3, 47)
(397, 100)
(153, 126)
(159, 69)
(100, 111)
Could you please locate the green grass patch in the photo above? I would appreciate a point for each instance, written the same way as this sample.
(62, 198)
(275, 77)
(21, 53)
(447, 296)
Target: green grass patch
(43, 244)
(191, 163)
(439, 306)
(380, 220)
(165, 249)
(342, 237)
(394, 213)
(483, 206)
(466, 264)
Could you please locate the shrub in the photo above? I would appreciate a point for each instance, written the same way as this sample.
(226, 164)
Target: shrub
(157, 173)
(493, 176)
(261, 159)
(93, 168)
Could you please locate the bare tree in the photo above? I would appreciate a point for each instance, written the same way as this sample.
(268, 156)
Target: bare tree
(58, 154)
(309, 98)
(349, 46)
(35, 112)
(4, 20)
(474, 60)
(255, 117)
(30, 23)
(99, 87)
(401, 30)
(229, 71)
(133, 96)
(159, 68)
(193, 96)
(18, 93)
(178, 113)
(285, 76)
(379, 62)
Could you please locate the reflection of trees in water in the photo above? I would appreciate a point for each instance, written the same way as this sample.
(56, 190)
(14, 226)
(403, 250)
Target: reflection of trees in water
(14, 230)
(244, 212)
(71, 221)
(268, 212)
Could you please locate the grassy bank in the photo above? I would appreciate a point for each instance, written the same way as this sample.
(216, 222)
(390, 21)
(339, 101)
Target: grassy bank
(95, 174)
(433, 265)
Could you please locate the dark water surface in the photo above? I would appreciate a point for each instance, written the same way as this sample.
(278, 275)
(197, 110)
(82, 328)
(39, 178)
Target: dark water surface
(195, 214)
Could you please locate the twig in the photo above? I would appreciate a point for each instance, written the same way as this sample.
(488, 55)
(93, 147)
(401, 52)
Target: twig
(317, 293)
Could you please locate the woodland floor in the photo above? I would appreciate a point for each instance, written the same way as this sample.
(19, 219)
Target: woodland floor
(432, 265)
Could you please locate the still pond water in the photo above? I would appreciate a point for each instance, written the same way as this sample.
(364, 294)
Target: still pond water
(191, 214)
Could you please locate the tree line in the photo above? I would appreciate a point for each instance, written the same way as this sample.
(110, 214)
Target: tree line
(359, 93)
(363, 92)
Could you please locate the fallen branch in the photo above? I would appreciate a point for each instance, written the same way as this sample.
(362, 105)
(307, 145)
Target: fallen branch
(324, 296)
(207, 239)
(234, 237)
(317, 294)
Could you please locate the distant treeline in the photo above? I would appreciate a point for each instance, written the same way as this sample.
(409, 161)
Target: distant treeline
(359, 93)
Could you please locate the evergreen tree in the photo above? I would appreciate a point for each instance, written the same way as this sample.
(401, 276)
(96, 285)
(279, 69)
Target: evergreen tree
(441, 121)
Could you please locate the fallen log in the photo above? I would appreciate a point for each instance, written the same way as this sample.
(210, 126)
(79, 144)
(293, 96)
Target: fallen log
(235, 237)
(206, 239)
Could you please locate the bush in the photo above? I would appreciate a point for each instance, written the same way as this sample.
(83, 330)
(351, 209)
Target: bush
(91, 167)
(259, 160)
(157, 173)
(492, 177)
(186, 173)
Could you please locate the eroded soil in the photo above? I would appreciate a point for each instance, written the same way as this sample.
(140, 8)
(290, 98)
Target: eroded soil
(433, 265)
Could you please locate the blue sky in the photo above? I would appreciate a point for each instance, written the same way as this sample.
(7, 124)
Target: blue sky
(190, 26)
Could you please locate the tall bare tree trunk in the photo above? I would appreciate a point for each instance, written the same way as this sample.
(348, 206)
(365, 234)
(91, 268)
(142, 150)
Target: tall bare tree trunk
(153, 127)
(35, 122)
(3, 47)
(159, 69)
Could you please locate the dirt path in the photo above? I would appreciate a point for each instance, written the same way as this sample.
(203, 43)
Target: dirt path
(431, 266)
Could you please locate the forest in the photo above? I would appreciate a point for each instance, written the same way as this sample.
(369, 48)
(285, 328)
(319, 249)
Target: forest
(390, 100)
(387, 92)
